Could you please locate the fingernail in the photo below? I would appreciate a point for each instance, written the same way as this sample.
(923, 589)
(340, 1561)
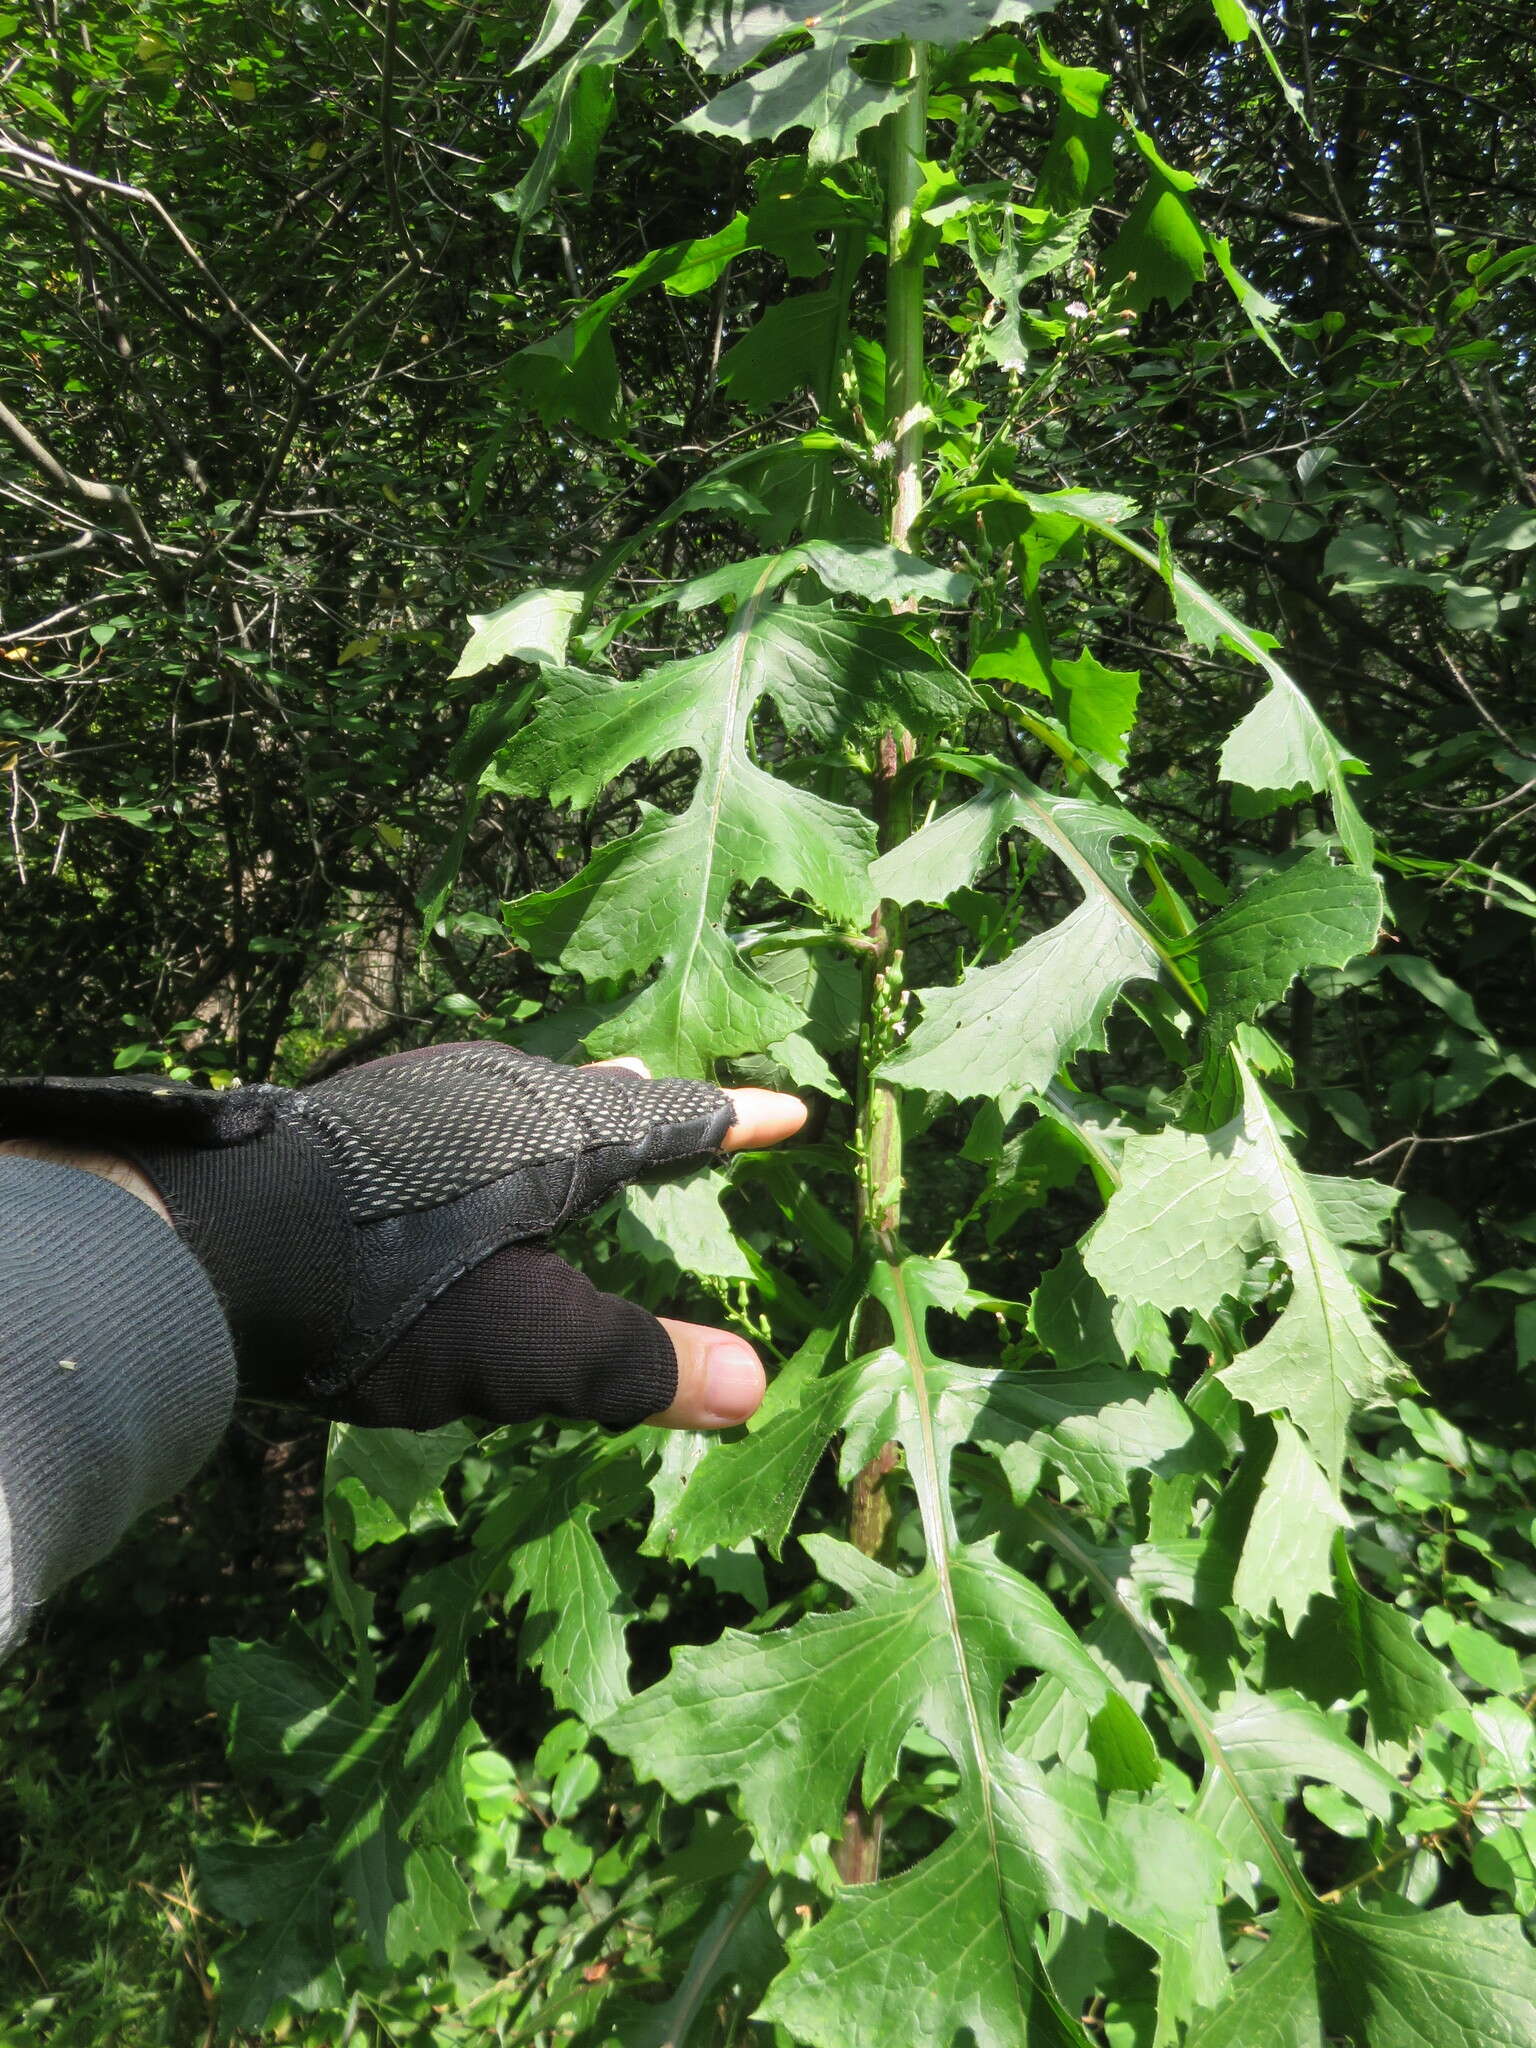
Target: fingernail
(733, 1384)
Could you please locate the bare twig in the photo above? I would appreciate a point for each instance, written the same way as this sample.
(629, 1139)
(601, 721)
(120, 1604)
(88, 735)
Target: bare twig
(389, 142)
(21, 864)
(71, 175)
(1415, 1139)
(109, 498)
(38, 627)
(307, 383)
(81, 541)
(1474, 700)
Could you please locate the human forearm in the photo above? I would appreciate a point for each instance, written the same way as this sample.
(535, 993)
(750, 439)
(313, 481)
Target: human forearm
(116, 1372)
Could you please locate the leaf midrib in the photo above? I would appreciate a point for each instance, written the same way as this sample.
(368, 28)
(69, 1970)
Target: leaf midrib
(1058, 1533)
(936, 1534)
(1309, 1231)
(718, 773)
(1035, 817)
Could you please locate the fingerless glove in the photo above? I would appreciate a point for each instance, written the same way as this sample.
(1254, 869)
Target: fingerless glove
(378, 1241)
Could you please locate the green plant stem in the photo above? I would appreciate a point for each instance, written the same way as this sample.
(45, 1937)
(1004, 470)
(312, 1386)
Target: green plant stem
(870, 1514)
(905, 412)
(879, 1123)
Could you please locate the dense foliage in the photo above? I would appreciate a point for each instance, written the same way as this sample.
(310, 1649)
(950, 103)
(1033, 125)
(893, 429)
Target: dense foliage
(996, 543)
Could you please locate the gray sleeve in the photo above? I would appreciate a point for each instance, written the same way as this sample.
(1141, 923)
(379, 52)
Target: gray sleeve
(116, 1374)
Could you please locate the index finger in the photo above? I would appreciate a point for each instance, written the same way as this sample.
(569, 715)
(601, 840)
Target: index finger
(763, 1117)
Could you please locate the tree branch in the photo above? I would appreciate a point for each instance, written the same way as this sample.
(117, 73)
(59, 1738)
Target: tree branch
(111, 499)
(70, 175)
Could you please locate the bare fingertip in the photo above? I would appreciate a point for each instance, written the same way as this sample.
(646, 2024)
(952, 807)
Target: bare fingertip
(764, 1116)
(734, 1384)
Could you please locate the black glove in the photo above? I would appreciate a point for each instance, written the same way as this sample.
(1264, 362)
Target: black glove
(376, 1239)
